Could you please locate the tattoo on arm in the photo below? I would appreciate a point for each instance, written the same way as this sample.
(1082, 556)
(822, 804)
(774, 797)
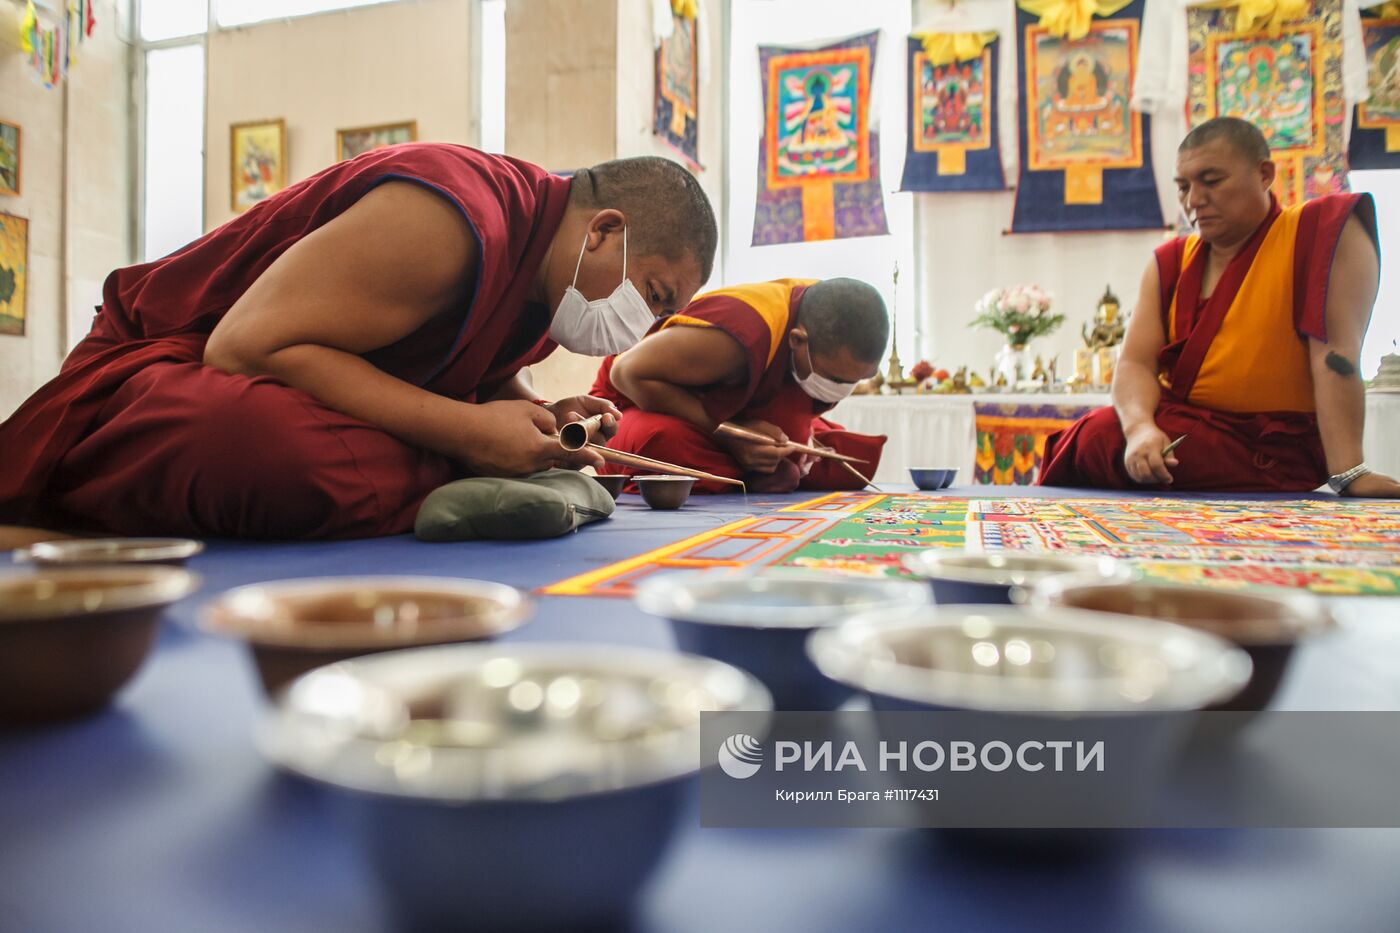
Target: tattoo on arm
(1340, 364)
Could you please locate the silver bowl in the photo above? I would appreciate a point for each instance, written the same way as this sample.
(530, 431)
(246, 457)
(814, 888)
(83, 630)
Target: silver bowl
(71, 638)
(508, 787)
(88, 551)
(1002, 659)
(1134, 684)
(760, 621)
(960, 577)
(292, 626)
(1267, 625)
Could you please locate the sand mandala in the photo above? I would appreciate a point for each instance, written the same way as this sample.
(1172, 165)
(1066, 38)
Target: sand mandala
(1331, 547)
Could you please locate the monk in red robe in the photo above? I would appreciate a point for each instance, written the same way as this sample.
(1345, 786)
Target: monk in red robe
(1245, 342)
(771, 357)
(316, 366)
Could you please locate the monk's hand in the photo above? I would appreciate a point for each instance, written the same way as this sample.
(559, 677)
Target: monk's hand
(514, 438)
(583, 407)
(1373, 486)
(752, 456)
(1143, 456)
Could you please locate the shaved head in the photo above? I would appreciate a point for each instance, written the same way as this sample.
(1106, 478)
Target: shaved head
(667, 212)
(845, 313)
(1241, 135)
(1223, 178)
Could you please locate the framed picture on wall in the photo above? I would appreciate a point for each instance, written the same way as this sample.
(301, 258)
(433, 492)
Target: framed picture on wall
(9, 157)
(353, 142)
(14, 271)
(257, 161)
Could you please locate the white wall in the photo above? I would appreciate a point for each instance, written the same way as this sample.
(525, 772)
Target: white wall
(75, 134)
(358, 67)
(1384, 332)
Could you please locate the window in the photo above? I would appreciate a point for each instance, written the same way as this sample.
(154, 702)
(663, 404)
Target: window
(170, 19)
(1385, 319)
(492, 77)
(172, 207)
(244, 12)
(872, 259)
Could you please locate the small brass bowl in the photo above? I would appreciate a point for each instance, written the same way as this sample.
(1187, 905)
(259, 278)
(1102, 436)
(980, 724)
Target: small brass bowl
(71, 638)
(90, 551)
(294, 626)
(612, 482)
(1266, 626)
(664, 492)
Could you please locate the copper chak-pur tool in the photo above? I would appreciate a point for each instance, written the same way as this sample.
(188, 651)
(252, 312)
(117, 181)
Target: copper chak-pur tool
(577, 435)
(733, 430)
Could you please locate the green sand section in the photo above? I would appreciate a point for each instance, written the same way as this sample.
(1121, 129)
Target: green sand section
(875, 540)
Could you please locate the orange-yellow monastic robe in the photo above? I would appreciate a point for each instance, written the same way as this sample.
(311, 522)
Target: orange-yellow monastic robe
(1235, 372)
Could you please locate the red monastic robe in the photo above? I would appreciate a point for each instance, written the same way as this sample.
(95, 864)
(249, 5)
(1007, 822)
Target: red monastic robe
(1235, 372)
(759, 317)
(137, 436)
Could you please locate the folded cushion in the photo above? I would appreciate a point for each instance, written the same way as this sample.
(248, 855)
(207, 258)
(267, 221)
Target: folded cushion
(544, 505)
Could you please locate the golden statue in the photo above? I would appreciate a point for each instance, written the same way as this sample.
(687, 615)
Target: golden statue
(1108, 324)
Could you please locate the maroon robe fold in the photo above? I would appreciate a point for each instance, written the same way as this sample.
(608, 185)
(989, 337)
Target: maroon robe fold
(136, 436)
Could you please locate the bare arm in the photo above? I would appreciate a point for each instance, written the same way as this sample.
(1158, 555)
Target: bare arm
(392, 262)
(662, 373)
(1337, 390)
(1136, 390)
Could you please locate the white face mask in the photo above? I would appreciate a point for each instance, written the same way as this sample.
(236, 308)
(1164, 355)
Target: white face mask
(605, 326)
(820, 387)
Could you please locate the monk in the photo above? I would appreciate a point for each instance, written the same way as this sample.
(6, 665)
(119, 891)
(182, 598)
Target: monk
(1245, 342)
(316, 366)
(771, 357)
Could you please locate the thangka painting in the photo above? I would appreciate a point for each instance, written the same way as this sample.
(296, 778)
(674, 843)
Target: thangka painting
(14, 272)
(257, 162)
(677, 105)
(1011, 439)
(819, 161)
(1085, 162)
(1375, 133)
(952, 123)
(1287, 82)
(362, 139)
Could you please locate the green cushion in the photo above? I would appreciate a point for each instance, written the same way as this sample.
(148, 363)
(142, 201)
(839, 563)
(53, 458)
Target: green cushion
(544, 505)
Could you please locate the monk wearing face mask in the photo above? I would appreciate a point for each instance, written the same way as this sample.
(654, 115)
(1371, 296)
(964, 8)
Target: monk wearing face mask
(316, 366)
(772, 358)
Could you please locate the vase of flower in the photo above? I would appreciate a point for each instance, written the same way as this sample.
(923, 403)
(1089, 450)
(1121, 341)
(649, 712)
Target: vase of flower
(1013, 363)
(1020, 314)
